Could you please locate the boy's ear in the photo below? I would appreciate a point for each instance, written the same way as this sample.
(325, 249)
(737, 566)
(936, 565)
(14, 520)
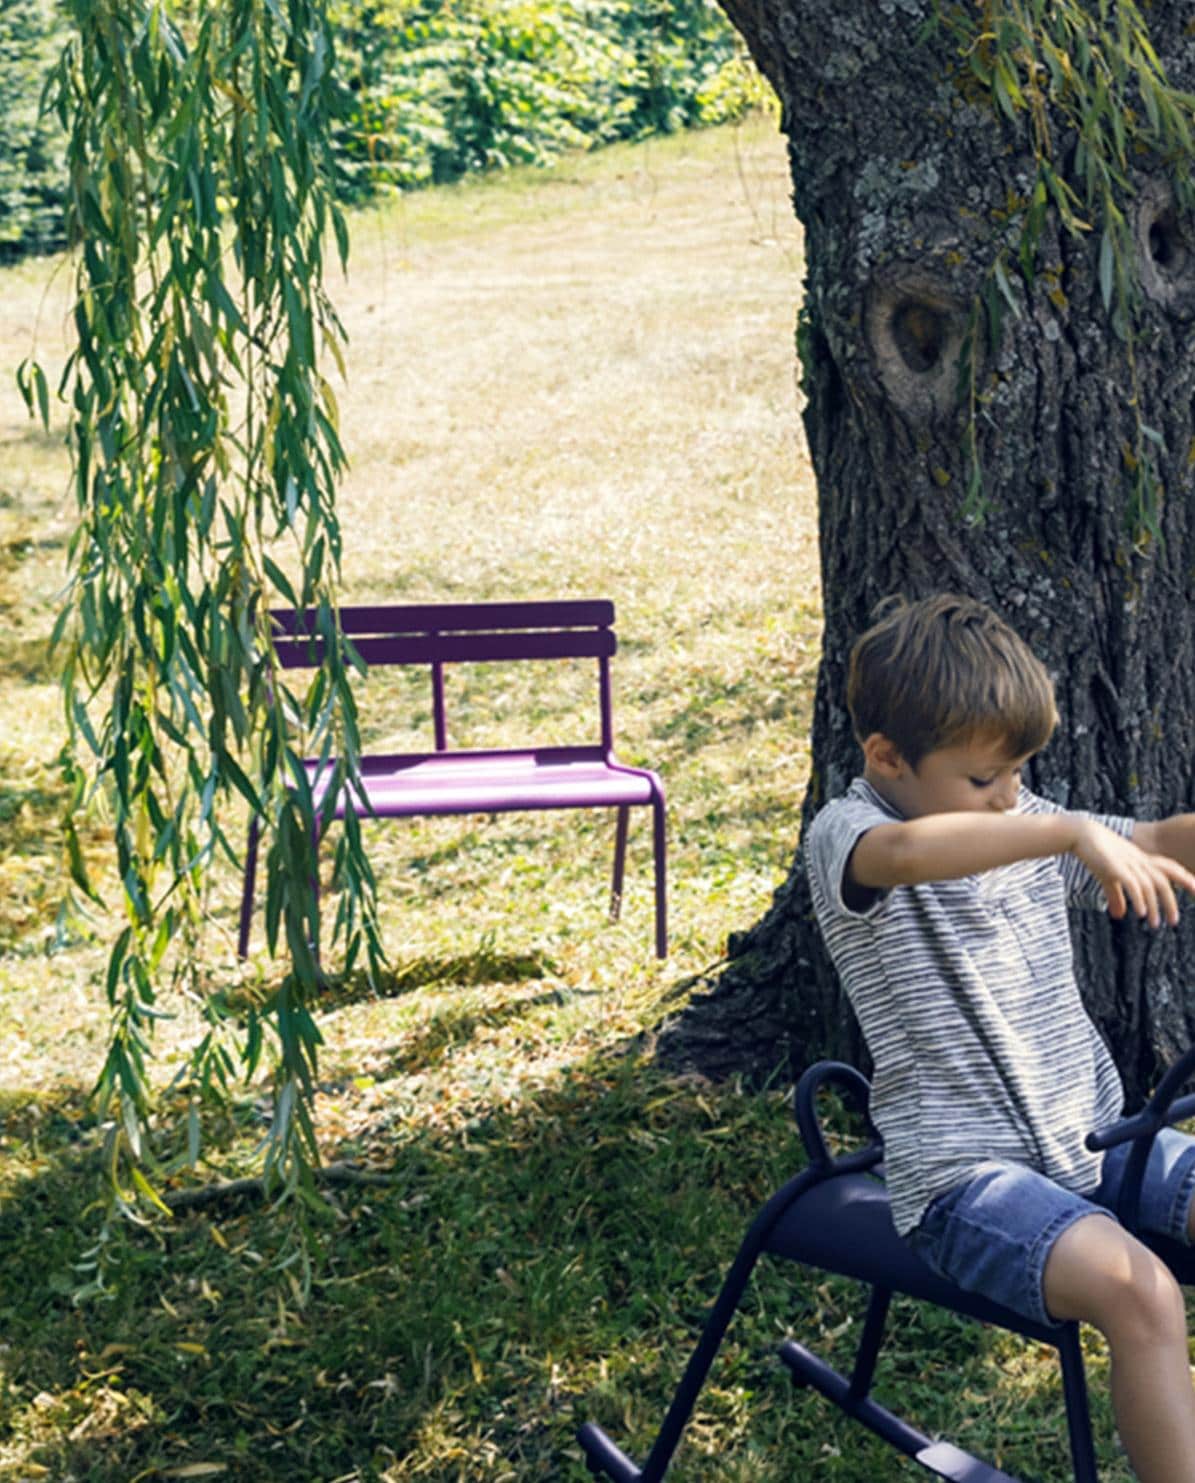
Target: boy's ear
(882, 755)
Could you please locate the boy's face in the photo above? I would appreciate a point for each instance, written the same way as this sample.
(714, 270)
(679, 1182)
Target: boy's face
(975, 776)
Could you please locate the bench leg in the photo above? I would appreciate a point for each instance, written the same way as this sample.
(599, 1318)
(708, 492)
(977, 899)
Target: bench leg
(315, 902)
(660, 856)
(620, 860)
(247, 889)
(660, 863)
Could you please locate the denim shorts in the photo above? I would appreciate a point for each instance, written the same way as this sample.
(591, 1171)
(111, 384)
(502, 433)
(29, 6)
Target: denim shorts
(992, 1233)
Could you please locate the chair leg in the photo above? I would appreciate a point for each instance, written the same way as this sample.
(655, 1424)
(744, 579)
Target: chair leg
(660, 856)
(620, 860)
(810, 1369)
(1078, 1416)
(602, 1457)
(247, 889)
(941, 1458)
(869, 1344)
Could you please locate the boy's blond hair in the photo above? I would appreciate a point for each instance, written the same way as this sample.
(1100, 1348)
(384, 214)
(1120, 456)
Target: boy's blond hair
(943, 672)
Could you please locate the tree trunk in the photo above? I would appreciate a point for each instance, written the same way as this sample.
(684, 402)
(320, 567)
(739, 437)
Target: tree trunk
(907, 180)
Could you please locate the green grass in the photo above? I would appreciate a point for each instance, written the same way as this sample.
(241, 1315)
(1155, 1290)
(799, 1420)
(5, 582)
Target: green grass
(579, 383)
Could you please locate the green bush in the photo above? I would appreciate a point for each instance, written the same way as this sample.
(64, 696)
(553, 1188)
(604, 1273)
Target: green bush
(443, 88)
(434, 90)
(32, 176)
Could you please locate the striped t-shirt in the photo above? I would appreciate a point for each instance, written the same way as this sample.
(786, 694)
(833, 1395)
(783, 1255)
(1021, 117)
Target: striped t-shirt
(965, 992)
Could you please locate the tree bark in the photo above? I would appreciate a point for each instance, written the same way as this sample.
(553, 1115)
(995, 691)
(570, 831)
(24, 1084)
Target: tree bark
(907, 181)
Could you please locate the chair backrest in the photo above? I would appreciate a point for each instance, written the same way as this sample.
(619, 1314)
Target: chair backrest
(436, 634)
(858, 1090)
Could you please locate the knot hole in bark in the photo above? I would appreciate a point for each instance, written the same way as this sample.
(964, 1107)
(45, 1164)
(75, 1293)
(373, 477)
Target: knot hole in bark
(1165, 250)
(1166, 245)
(919, 330)
(915, 330)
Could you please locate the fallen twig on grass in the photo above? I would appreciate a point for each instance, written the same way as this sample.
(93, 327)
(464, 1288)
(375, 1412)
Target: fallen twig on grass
(256, 1187)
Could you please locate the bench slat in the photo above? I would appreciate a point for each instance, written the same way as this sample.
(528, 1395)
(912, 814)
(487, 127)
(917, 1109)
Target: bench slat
(401, 618)
(459, 648)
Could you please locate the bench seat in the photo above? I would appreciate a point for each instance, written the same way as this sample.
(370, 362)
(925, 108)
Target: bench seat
(404, 785)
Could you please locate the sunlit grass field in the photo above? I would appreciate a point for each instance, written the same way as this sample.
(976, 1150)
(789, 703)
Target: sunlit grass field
(571, 384)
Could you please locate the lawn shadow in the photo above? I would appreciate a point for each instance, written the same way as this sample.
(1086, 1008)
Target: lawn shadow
(548, 1264)
(484, 965)
(450, 1029)
(31, 808)
(27, 659)
(27, 812)
(428, 1310)
(33, 434)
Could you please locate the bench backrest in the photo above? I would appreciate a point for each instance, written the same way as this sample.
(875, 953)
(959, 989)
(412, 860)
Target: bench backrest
(436, 634)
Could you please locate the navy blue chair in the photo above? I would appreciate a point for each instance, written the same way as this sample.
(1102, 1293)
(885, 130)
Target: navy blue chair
(835, 1216)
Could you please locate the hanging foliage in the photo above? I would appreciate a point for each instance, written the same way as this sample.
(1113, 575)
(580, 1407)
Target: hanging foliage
(205, 458)
(1097, 104)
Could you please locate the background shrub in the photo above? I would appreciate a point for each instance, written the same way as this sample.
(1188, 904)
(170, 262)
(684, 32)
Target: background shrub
(444, 87)
(32, 178)
(433, 90)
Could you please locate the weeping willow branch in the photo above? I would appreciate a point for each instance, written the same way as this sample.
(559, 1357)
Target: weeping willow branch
(1087, 82)
(252, 1188)
(205, 460)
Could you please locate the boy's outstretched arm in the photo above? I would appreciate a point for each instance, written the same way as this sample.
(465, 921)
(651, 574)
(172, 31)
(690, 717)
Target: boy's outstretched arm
(947, 846)
(1174, 837)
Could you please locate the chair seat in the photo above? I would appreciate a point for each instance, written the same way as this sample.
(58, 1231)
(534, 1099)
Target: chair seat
(844, 1225)
(481, 782)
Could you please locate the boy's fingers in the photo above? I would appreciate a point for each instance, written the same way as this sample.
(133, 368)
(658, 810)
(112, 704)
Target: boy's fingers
(1171, 874)
(1137, 883)
(1148, 902)
(1143, 896)
(1167, 901)
(1145, 884)
(1179, 874)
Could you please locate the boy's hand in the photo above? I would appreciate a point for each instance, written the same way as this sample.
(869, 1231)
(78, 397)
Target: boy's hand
(1130, 876)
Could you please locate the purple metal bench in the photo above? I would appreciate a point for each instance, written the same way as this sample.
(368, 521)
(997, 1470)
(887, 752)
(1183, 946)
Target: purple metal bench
(834, 1216)
(446, 780)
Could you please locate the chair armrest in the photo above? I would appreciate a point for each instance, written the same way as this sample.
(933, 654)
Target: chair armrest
(858, 1089)
(1141, 1128)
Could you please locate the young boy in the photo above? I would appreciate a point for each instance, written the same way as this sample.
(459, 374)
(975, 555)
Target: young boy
(940, 885)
